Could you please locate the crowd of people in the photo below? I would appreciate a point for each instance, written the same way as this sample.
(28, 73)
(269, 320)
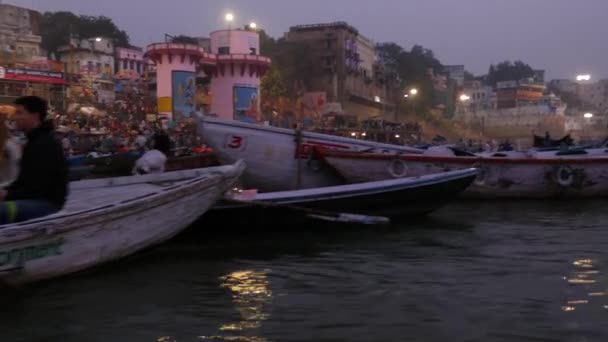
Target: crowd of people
(487, 146)
(83, 134)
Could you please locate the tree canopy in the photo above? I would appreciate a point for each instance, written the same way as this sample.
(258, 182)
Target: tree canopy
(293, 67)
(56, 28)
(410, 69)
(508, 71)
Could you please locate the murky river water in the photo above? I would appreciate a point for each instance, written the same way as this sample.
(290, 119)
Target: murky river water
(472, 272)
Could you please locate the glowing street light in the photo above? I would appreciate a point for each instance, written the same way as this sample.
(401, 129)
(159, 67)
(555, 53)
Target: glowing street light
(406, 95)
(414, 91)
(585, 77)
(229, 17)
(353, 134)
(588, 115)
(464, 97)
(253, 26)
(98, 39)
(397, 136)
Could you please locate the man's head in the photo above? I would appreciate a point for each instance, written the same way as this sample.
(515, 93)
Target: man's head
(30, 112)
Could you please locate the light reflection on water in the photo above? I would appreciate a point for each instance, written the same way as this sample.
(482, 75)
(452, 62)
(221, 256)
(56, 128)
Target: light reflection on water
(250, 294)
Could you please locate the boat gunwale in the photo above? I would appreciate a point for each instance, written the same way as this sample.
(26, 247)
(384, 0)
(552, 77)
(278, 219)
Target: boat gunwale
(468, 160)
(336, 192)
(314, 135)
(69, 221)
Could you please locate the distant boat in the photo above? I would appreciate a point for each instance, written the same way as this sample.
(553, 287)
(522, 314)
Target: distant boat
(393, 198)
(107, 219)
(531, 174)
(272, 154)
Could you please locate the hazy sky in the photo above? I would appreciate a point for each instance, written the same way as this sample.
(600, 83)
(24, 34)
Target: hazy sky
(565, 37)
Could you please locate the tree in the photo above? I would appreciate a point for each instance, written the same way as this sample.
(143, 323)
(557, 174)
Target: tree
(274, 85)
(182, 39)
(508, 71)
(57, 27)
(410, 69)
(294, 65)
(468, 76)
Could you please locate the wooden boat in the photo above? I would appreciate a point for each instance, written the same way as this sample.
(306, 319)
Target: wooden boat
(276, 160)
(393, 198)
(532, 174)
(121, 164)
(106, 219)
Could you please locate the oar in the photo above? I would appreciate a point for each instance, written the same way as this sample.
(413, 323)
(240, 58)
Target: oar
(319, 214)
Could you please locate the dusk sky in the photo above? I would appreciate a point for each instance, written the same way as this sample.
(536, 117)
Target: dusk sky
(565, 37)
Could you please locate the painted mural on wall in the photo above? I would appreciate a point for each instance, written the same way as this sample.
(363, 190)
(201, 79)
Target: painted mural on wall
(183, 93)
(246, 104)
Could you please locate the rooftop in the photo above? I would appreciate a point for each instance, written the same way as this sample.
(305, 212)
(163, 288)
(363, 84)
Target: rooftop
(317, 27)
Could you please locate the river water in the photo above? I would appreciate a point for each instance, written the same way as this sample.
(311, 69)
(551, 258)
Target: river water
(507, 271)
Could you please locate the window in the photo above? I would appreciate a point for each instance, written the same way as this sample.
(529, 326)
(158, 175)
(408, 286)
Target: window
(124, 64)
(252, 51)
(224, 50)
(132, 66)
(107, 69)
(98, 67)
(89, 66)
(138, 67)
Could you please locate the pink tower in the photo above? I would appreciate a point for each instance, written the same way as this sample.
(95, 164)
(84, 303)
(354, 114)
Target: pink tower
(235, 82)
(176, 67)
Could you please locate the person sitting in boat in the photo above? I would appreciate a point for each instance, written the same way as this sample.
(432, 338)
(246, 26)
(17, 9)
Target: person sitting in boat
(154, 161)
(41, 188)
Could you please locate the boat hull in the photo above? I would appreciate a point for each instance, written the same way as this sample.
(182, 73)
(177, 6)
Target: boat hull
(396, 199)
(53, 247)
(499, 177)
(273, 158)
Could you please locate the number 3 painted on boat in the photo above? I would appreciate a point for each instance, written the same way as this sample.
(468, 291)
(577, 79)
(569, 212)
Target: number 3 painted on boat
(235, 142)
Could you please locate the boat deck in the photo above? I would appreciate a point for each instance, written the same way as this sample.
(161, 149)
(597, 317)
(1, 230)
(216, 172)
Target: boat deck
(86, 199)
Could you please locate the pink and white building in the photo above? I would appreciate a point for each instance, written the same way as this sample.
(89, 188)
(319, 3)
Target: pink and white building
(234, 66)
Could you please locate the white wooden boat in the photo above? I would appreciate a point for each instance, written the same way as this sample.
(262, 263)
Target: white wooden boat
(272, 156)
(106, 219)
(532, 174)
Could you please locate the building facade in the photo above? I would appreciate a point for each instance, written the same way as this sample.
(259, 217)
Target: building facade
(19, 34)
(129, 63)
(455, 72)
(90, 63)
(346, 65)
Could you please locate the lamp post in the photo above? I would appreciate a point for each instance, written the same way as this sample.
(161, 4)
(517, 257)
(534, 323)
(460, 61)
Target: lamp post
(229, 17)
(413, 94)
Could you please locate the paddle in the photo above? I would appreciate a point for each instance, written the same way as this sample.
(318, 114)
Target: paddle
(318, 214)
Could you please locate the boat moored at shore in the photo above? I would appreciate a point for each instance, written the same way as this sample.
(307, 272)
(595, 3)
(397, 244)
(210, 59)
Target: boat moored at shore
(533, 174)
(107, 219)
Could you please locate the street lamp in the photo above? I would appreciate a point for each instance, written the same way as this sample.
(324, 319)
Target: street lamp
(229, 17)
(588, 115)
(464, 98)
(253, 26)
(98, 39)
(414, 91)
(585, 77)
(406, 96)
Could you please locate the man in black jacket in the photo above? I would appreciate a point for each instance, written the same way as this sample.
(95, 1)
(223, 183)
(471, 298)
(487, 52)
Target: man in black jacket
(42, 185)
